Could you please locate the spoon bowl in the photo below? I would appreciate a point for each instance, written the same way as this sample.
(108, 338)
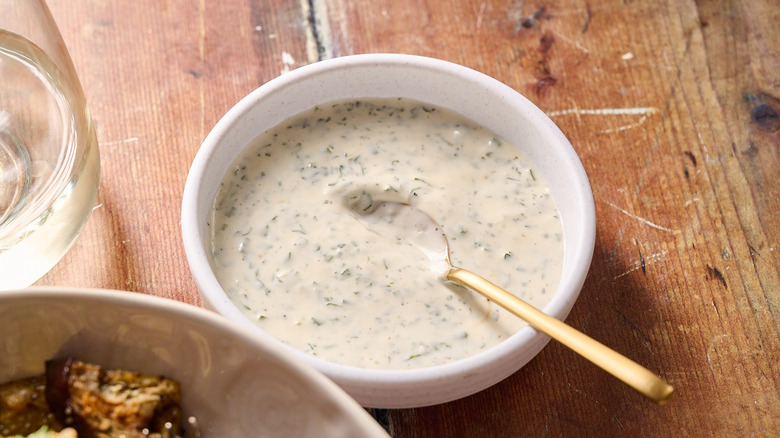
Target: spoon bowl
(405, 224)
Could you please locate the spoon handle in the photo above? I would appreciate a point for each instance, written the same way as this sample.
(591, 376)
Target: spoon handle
(630, 372)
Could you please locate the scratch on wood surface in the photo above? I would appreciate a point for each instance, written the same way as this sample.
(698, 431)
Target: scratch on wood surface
(604, 408)
(116, 142)
(645, 341)
(644, 112)
(691, 201)
(576, 44)
(713, 346)
(625, 127)
(479, 16)
(642, 263)
(604, 111)
(287, 61)
(640, 219)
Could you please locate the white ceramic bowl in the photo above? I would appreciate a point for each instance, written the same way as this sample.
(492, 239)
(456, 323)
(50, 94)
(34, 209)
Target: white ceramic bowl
(234, 383)
(473, 95)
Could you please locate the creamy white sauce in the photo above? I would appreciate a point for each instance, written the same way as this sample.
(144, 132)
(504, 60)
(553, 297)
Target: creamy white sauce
(310, 272)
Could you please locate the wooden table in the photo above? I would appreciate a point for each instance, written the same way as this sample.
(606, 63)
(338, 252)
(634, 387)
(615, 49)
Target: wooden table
(672, 105)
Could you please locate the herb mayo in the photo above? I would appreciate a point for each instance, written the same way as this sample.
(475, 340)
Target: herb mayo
(289, 252)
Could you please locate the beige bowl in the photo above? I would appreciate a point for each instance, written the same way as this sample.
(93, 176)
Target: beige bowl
(234, 383)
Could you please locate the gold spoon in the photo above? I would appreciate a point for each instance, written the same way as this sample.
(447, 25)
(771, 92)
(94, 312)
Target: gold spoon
(403, 222)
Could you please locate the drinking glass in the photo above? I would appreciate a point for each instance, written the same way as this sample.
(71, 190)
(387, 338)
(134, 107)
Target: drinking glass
(49, 159)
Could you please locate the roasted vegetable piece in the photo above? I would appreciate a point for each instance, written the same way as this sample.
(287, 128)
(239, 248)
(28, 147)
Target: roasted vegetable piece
(23, 408)
(111, 403)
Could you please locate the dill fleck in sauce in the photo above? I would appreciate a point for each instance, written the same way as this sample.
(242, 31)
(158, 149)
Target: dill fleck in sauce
(306, 270)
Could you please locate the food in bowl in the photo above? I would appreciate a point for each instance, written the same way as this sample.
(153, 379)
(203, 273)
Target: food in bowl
(86, 400)
(45, 432)
(478, 98)
(294, 258)
(235, 383)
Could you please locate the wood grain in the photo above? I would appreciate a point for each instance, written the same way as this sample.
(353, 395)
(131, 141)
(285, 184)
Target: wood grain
(672, 106)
